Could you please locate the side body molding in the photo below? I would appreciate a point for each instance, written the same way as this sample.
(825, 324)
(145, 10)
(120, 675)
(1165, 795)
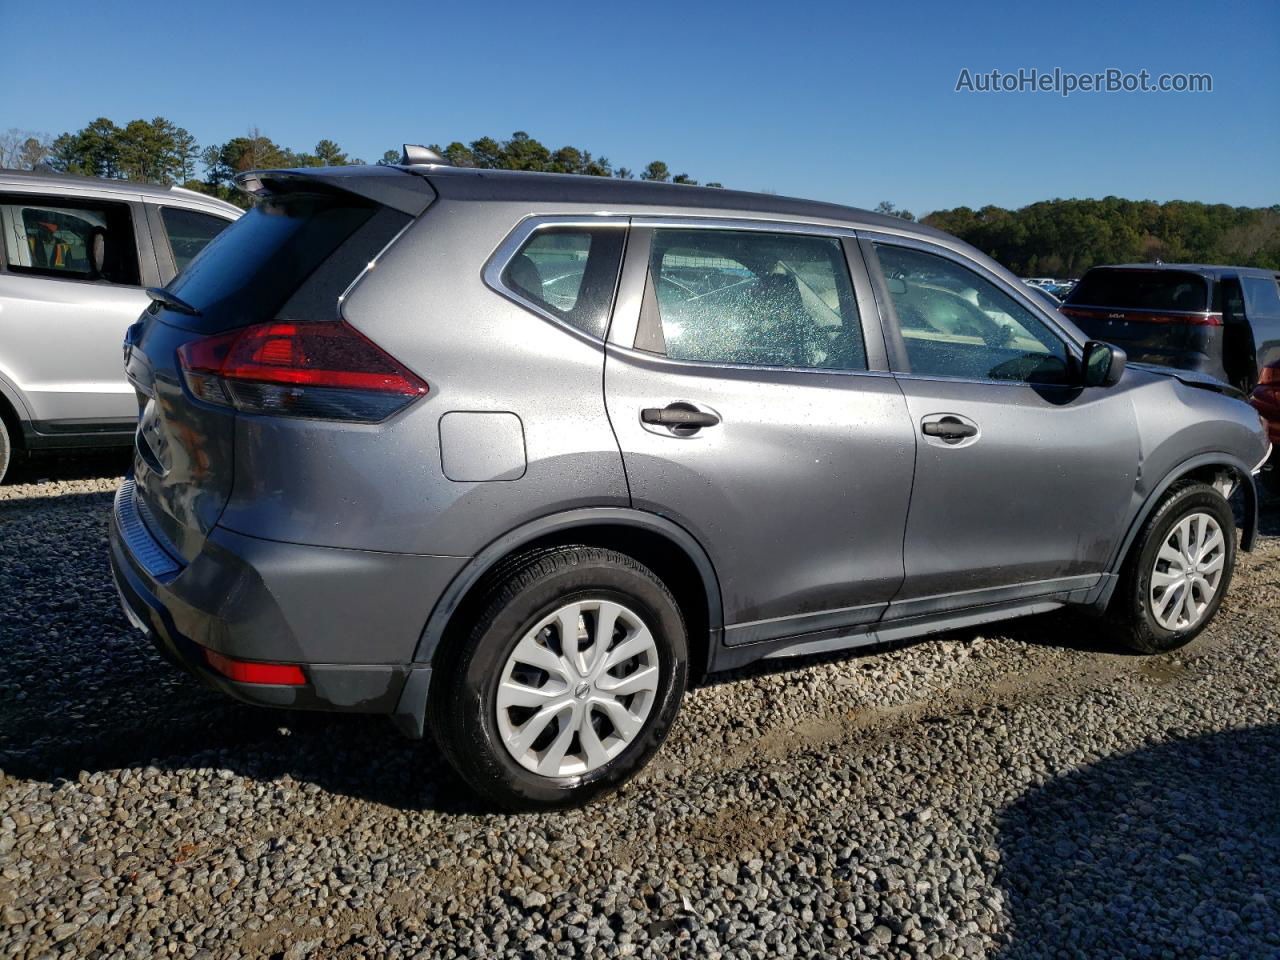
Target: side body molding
(479, 565)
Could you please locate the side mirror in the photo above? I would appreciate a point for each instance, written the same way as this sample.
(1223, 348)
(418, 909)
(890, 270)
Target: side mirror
(1103, 364)
(895, 285)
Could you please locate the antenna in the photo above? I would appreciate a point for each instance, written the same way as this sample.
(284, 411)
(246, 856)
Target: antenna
(416, 153)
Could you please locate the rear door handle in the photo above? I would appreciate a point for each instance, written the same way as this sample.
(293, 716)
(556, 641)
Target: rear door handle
(948, 428)
(678, 415)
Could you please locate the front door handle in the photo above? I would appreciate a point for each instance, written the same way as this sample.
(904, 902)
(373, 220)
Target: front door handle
(950, 429)
(679, 415)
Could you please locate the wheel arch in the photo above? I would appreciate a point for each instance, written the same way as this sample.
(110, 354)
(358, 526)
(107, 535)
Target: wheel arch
(673, 553)
(14, 413)
(1205, 467)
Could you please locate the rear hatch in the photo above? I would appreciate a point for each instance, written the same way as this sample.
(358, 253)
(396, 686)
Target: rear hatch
(1153, 314)
(291, 257)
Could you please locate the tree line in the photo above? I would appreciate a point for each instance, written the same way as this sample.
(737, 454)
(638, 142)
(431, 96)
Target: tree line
(1055, 237)
(1063, 238)
(160, 151)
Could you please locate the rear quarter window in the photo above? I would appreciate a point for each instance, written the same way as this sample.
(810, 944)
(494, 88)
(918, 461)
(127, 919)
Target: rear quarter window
(189, 232)
(570, 273)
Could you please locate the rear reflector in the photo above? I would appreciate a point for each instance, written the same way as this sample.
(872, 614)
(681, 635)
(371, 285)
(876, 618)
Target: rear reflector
(325, 369)
(249, 671)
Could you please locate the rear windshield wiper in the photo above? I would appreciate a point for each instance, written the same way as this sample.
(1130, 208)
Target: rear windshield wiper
(172, 301)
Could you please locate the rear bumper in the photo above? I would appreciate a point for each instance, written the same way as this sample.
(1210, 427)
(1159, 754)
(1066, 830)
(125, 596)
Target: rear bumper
(350, 619)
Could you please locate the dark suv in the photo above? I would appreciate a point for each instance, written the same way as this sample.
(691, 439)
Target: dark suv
(1223, 321)
(519, 456)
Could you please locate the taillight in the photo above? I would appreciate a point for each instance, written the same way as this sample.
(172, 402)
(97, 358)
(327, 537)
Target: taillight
(320, 369)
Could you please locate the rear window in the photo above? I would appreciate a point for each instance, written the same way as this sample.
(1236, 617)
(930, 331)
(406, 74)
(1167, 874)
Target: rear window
(1141, 290)
(251, 269)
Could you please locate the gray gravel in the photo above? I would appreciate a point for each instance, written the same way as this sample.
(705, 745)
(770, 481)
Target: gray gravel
(1017, 793)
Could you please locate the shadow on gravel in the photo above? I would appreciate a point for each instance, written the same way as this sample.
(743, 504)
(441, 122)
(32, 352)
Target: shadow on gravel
(70, 466)
(1170, 851)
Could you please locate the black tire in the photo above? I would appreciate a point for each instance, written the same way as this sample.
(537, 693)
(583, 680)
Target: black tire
(462, 706)
(6, 450)
(1132, 620)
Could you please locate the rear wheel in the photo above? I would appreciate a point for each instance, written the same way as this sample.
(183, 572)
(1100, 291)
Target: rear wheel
(568, 681)
(1177, 572)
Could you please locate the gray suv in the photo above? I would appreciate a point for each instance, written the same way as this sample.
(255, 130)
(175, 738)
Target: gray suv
(76, 257)
(519, 457)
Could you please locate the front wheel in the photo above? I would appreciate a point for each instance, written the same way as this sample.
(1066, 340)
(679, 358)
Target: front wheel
(1177, 572)
(568, 681)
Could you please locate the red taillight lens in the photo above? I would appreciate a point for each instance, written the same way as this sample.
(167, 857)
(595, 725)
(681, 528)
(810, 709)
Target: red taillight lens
(313, 369)
(249, 671)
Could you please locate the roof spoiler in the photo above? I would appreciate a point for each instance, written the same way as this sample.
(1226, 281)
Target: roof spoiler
(390, 186)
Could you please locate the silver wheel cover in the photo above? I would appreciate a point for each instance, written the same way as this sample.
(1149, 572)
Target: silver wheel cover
(577, 688)
(1187, 572)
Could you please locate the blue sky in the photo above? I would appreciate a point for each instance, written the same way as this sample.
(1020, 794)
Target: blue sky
(846, 102)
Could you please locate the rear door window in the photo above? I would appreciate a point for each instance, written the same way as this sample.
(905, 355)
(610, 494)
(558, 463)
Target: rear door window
(189, 232)
(69, 239)
(569, 272)
(754, 298)
(1166, 290)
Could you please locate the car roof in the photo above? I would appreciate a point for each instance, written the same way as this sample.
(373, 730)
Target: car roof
(520, 185)
(53, 182)
(1214, 270)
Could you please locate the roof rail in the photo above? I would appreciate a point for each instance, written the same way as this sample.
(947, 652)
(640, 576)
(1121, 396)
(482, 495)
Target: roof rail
(416, 153)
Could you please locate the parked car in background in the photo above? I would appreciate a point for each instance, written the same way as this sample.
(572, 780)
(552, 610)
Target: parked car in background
(77, 256)
(1223, 321)
(1045, 294)
(455, 446)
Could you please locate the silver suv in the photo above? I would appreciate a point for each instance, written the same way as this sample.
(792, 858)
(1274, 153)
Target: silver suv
(76, 258)
(519, 457)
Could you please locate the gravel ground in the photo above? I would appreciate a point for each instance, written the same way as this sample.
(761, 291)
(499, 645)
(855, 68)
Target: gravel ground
(1016, 793)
